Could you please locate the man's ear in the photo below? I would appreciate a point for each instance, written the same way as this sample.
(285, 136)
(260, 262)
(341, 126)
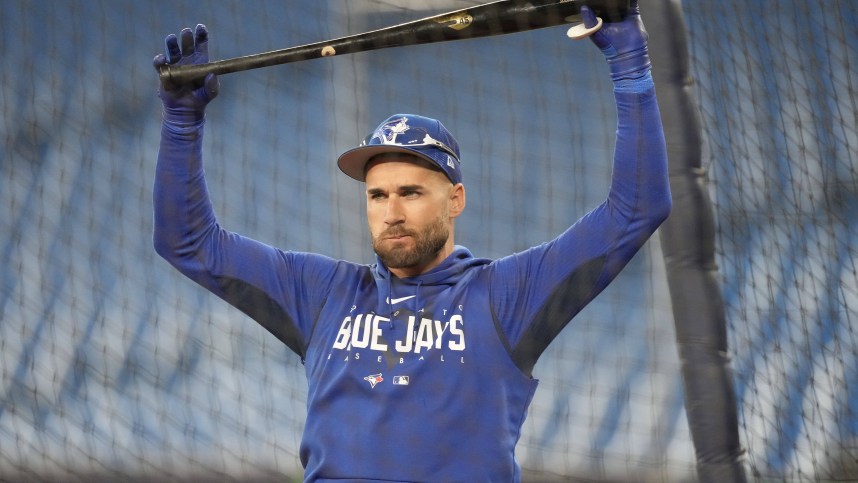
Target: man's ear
(457, 200)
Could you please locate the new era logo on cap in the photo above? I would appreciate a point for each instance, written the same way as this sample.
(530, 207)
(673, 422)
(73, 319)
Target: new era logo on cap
(406, 133)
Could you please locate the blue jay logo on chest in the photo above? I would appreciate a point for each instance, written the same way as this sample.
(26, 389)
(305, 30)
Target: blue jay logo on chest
(373, 379)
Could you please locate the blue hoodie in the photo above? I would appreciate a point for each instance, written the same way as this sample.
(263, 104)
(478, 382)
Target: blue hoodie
(425, 378)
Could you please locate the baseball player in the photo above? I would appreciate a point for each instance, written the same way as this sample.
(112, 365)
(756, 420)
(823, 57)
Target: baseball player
(418, 365)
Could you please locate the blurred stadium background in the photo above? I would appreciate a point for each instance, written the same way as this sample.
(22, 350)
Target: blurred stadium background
(114, 367)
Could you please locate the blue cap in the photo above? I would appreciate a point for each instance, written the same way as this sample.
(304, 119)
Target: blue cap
(421, 136)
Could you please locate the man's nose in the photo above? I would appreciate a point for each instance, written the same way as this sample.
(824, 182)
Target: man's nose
(394, 213)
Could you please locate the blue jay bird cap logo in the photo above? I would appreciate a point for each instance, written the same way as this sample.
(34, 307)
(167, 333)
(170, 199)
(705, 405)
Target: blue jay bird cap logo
(406, 133)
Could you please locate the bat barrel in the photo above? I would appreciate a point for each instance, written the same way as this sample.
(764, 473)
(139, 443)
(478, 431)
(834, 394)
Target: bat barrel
(496, 18)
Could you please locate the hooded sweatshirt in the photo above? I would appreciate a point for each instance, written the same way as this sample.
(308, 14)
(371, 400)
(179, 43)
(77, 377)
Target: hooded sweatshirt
(425, 378)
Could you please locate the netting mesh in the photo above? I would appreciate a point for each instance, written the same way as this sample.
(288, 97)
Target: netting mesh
(113, 366)
(779, 107)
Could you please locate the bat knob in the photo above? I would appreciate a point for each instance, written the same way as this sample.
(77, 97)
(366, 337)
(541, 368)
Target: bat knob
(579, 31)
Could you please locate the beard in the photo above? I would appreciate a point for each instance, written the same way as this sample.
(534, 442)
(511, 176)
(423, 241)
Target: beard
(427, 243)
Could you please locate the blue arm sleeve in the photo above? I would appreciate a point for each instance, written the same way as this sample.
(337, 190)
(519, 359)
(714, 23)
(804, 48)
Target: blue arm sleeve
(536, 292)
(266, 283)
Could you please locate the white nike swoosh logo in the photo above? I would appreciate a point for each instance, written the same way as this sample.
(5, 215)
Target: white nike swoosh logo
(400, 299)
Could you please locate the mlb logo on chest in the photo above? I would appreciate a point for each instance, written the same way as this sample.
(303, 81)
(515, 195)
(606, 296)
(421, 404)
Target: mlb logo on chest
(400, 380)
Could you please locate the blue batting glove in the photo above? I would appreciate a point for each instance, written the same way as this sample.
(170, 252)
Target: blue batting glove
(186, 103)
(623, 43)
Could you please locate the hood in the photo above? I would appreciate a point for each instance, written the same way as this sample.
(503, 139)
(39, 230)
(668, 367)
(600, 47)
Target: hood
(447, 273)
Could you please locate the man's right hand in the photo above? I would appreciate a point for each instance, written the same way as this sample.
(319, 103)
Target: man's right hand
(185, 103)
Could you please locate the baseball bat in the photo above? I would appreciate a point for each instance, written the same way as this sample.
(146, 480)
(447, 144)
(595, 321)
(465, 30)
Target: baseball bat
(493, 18)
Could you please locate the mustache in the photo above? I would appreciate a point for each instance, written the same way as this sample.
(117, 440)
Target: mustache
(396, 231)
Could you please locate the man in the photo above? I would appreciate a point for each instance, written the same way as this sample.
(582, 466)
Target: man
(419, 366)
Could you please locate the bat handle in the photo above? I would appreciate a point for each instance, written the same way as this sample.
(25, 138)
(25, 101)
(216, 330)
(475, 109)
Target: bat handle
(183, 74)
(174, 75)
(610, 10)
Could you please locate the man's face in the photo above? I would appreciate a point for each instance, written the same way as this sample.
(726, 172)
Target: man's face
(410, 211)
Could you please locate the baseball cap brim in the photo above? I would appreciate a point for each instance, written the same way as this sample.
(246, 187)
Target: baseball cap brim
(353, 162)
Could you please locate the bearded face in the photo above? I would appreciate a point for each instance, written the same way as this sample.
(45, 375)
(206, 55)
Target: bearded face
(400, 247)
(410, 212)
